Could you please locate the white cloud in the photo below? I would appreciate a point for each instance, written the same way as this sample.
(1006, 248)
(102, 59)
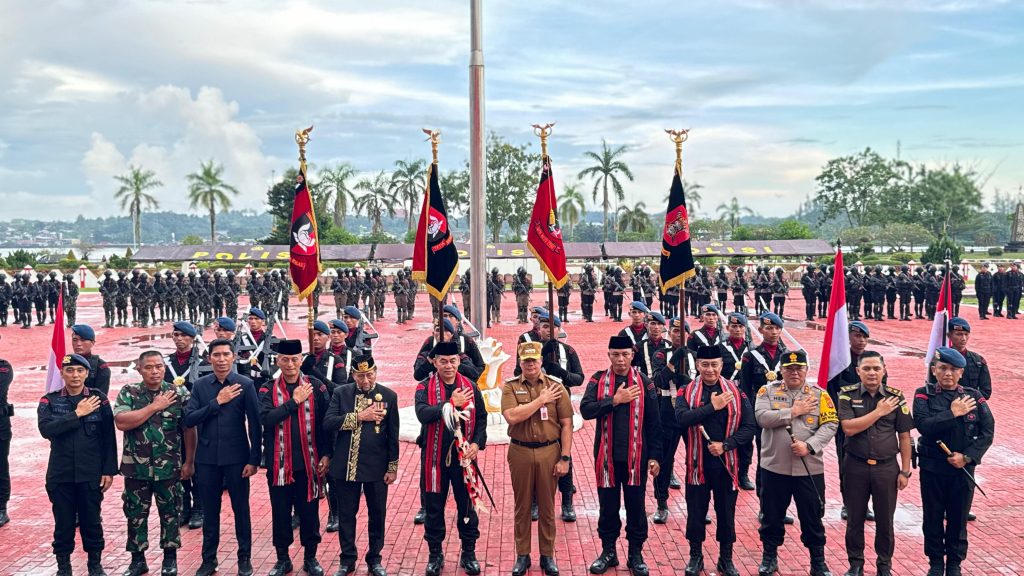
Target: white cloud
(46, 82)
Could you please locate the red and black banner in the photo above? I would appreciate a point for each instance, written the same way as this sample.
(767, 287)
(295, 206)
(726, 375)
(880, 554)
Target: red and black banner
(304, 241)
(435, 260)
(676, 256)
(544, 237)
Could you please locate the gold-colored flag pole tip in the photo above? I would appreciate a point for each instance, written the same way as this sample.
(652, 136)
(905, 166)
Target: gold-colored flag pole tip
(543, 131)
(301, 138)
(435, 138)
(678, 136)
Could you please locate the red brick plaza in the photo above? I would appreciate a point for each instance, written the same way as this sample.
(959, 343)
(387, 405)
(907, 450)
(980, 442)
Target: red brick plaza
(996, 538)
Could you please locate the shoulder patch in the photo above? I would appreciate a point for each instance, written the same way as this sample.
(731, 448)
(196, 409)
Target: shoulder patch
(843, 397)
(264, 390)
(827, 410)
(921, 396)
(762, 391)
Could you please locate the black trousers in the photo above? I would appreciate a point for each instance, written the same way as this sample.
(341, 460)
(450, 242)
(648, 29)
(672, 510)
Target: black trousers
(809, 305)
(76, 501)
(779, 305)
(1013, 296)
(212, 480)
(671, 435)
(717, 482)
(983, 300)
(294, 496)
(841, 456)
(997, 301)
(877, 483)
(945, 501)
(5, 464)
(609, 525)
(376, 494)
(467, 521)
(777, 491)
(587, 304)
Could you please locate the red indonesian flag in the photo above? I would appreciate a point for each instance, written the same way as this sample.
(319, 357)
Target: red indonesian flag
(544, 237)
(304, 240)
(942, 309)
(835, 355)
(58, 349)
(435, 260)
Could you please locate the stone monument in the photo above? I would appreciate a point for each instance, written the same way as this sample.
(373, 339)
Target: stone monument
(1016, 243)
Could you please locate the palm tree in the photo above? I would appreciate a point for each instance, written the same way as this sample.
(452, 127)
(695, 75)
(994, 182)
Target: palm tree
(571, 208)
(335, 183)
(732, 212)
(407, 184)
(133, 196)
(455, 187)
(635, 219)
(607, 170)
(207, 189)
(376, 199)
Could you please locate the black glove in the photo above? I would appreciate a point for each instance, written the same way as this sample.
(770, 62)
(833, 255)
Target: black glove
(555, 370)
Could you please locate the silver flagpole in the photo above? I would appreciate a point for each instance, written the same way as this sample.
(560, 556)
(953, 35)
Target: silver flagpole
(477, 170)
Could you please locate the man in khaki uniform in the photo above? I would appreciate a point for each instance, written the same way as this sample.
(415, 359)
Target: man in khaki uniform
(798, 422)
(539, 415)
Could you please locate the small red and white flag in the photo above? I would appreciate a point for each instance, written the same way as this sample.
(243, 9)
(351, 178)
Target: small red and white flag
(58, 349)
(835, 355)
(941, 321)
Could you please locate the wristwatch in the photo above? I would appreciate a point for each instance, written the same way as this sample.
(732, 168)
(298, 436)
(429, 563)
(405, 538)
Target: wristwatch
(566, 458)
(906, 474)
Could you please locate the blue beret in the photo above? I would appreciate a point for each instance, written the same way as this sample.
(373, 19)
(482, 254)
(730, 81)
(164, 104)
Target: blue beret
(657, 317)
(546, 317)
(451, 309)
(709, 308)
(858, 325)
(84, 331)
(353, 312)
(557, 322)
(186, 328)
(771, 318)
(638, 305)
(339, 325)
(257, 313)
(954, 323)
(321, 326)
(226, 323)
(448, 326)
(738, 317)
(75, 360)
(539, 310)
(950, 356)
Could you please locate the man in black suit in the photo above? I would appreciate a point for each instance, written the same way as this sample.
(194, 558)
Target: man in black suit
(364, 415)
(223, 404)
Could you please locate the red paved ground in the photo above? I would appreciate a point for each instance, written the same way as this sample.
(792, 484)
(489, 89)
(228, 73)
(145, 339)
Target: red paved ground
(997, 538)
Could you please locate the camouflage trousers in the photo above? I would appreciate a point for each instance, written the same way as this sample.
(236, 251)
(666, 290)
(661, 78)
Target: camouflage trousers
(137, 497)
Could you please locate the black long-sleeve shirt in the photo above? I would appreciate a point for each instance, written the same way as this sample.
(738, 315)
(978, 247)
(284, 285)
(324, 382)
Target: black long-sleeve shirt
(428, 414)
(81, 449)
(271, 416)
(316, 365)
(591, 408)
(715, 422)
(376, 446)
(471, 363)
(970, 434)
(228, 434)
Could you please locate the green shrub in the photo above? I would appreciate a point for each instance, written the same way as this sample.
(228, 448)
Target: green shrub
(995, 251)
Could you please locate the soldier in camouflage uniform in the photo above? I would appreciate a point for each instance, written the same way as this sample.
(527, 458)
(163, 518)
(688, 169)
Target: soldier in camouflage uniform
(151, 415)
(410, 301)
(367, 294)
(52, 295)
(272, 292)
(121, 299)
(338, 288)
(70, 293)
(286, 292)
(6, 294)
(521, 288)
(144, 299)
(108, 290)
(352, 296)
(156, 301)
(134, 291)
(40, 299)
(317, 290)
(401, 288)
(380, 290)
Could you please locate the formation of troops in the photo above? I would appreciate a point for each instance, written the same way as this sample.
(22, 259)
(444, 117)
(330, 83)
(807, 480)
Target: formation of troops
(725, 395)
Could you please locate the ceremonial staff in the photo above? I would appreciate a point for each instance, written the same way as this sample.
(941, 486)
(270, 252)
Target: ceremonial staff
(807, 469)
(434, 136)
(676, 254)
(304, 238)
(542, 131)
(970, 478)
(721, 458)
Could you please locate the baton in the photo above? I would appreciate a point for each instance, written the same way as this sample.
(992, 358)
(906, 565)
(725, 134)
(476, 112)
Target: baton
(807, 469)
(949, 452)
(721, 457)
(483, 483)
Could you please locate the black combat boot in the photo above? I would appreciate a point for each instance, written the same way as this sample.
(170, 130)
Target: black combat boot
(635, 562)
(936, 566)
(769, 562)
(138, 565)
(725, 565)
(607, 559)
(696, 564)
(818, 566)
(64, 565)
(568, 512)
(435, 563)
(94, 565)
(468, 560)
(169, 567)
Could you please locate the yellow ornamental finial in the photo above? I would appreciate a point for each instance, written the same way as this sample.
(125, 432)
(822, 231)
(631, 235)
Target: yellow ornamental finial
(543, 131)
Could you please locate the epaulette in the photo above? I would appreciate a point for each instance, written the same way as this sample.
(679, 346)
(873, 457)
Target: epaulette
(512, 379)
(894, 391)
(849, 388)
(553, 378)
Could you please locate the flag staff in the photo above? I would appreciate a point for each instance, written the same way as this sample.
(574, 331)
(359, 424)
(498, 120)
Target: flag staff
(678, 137)
(477, 170)
(434, 136)
(302, 138)
(542, 131)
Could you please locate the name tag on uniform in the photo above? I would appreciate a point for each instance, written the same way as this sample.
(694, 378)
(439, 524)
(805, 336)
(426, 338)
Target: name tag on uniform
(521, 392)
(543, 412)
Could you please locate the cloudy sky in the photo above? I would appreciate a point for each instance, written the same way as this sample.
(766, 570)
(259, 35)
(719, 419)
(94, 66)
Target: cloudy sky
(770, 88)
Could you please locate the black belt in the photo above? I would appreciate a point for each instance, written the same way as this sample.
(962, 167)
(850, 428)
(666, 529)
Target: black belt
(6, 410)
(871, 461)
(534, 444)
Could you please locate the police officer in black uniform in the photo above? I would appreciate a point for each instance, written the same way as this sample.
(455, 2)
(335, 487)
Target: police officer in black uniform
(6, 412)
(976, 374)
(877, 422)
(83, 337)
(957, 418)
(762, 364)
(79, 424)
